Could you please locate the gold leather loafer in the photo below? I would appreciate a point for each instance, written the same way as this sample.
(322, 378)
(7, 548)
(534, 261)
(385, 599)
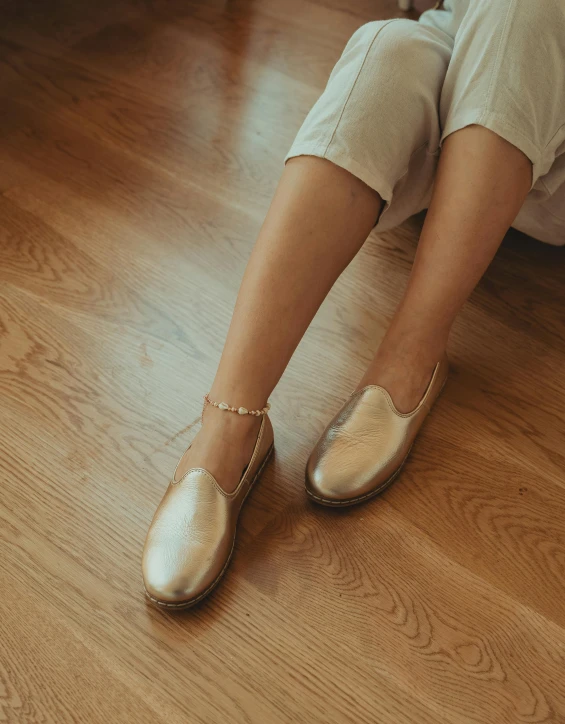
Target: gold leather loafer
(191, 538)
(364, 447)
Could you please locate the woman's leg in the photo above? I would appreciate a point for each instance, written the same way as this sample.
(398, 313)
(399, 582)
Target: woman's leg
(501, 78)
(319, 218)
(482, 181)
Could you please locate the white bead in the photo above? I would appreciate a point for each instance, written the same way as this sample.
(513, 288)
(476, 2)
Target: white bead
(223, 406)
(243, 410)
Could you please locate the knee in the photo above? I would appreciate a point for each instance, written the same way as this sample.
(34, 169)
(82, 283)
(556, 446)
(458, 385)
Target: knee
(393, 45)
(400, 56)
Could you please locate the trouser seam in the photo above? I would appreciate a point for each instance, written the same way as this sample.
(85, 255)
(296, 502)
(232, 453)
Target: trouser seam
(386, 24)
(496, 68)
(561, 128)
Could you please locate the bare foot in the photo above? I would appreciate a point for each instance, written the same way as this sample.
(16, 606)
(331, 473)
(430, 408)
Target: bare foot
(223, 446)
(404, 373)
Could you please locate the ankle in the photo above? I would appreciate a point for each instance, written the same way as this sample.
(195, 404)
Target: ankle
(229, 425)
(223, 393)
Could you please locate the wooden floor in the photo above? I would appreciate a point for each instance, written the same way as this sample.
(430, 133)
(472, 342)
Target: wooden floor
(140, 143)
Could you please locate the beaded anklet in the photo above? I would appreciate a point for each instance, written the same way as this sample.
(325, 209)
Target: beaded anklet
(239, 410)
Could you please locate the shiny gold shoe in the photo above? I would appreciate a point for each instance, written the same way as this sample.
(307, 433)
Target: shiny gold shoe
(364, 447)
(191, 538)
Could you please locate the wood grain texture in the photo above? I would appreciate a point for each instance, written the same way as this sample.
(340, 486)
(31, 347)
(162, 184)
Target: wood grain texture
(140, 142)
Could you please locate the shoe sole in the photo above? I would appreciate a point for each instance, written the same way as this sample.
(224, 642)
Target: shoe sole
(329, 503)
(193, 601)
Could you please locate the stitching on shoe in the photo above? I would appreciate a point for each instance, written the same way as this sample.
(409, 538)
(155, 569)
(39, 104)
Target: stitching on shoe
(213, 479)
(253, 458)
(423, 402)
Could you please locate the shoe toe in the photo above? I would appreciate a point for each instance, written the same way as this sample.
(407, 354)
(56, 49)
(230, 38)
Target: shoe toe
(173, 579)
(330, 479)
(188, 542)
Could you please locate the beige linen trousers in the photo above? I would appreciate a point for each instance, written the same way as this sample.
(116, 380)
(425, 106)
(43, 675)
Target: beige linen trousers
(402, 86)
